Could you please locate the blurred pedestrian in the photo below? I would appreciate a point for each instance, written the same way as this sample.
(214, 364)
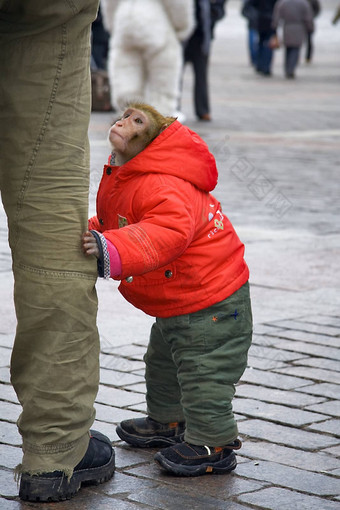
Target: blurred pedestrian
(100, 43)
(44, 182)
(251, 14)
(145, 55)
(101, 96)
(296, 16)
(315, 5)
(197, 49)
(336, 15)
(264, 10)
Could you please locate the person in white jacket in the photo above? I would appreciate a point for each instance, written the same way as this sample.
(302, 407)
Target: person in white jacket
(145, 55)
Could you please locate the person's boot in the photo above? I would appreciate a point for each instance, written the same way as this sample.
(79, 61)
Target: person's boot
(148, 433)
(97, 466)
(186, 459)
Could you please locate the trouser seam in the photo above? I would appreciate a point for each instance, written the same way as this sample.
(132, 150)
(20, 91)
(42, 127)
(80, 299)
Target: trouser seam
(54, 274)
(42, 132)
(49, 448)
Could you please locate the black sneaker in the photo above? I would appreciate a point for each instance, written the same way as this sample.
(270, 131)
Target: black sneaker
(146, 432)
(191, 460)
(97, 466)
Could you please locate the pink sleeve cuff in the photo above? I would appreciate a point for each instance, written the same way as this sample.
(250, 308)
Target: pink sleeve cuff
(115, 262)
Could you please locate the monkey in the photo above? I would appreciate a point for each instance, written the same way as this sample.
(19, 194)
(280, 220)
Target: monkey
(163, 235)
(139, 125)
(136, 128)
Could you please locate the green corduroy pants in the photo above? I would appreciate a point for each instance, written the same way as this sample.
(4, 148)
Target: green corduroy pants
(192, 365)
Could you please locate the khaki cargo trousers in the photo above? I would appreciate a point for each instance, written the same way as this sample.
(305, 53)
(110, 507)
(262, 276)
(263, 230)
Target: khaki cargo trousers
(44, 178)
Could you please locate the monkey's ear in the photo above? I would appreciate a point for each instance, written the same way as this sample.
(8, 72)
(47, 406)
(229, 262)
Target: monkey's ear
(163, 127)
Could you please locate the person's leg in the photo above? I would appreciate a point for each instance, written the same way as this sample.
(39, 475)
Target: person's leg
(309, 47)
(163, 76)
(253, 45)
(44, 115)
(292, 58)
(201, 86)
(193, 53)
(126, 75)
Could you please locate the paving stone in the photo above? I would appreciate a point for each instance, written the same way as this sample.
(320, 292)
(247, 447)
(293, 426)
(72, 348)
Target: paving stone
(118, 364)
(310, 461)
(264, 363)
(304, 336)
(7, 504)
(263, 378)
(315, 374)
(276, 413)
(290, 477)
(271, 353)
(323, 319)
(138, 388)
(5, 356)
(8, 486)
(291, 398)
(7, 340)
(299, 325)
(108, 429)
(207, 485)
(324, 389)
(9, 434)
(165, 498)
(300, 347)
(10, 456)
(127, 456)
(124, 484)
(274, 498)
(287, 436)
(332, 408)
(328, 364)
(118, 397)
(5, 375)
(118, 379)
(263, 329)
(7, 393)
(91, 498)
(334, 450)
(113, 414)
(128, 351)
(9, 411)
(139, 407)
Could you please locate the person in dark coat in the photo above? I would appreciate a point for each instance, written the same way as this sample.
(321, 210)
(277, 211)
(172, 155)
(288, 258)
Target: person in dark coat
(197, 48)
(296, 17)
(316, 7)
(251, 14)
(264, 10)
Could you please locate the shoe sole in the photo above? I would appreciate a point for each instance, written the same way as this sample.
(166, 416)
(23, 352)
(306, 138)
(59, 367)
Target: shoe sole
(218, 468)
(147, 442)
(39, 489)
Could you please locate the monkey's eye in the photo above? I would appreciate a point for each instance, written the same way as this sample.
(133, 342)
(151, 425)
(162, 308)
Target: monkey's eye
(138, 120)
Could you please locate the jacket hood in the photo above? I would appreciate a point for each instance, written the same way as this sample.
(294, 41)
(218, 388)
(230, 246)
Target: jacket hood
(177, 151)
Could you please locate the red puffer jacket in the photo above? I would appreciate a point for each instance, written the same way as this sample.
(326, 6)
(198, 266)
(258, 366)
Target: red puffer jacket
(170, 232)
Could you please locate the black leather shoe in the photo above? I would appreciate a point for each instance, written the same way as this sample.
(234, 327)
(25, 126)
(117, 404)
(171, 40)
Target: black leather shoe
(146, 432)
(97, 466)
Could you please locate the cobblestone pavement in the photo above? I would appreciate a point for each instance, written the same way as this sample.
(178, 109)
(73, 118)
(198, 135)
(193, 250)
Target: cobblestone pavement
(277, 147)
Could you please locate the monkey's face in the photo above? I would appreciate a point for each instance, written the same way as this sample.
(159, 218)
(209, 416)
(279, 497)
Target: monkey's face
(129, 135)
